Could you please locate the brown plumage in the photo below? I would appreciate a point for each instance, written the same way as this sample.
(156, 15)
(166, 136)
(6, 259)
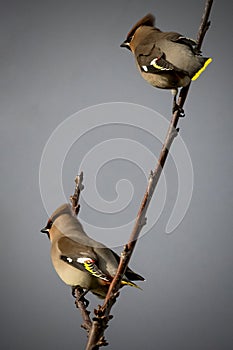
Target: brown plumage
(80, 260)
(166, 60)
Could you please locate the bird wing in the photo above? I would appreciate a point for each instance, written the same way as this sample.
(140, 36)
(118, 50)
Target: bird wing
(81, 257)
(180, 39)
(130, 274)
(151, 59)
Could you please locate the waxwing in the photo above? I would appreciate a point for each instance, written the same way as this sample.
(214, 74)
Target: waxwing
(166, 60)
(80, 260)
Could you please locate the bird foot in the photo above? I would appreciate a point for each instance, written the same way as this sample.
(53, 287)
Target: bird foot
(85, 301)
(180, 110)
(79, 294)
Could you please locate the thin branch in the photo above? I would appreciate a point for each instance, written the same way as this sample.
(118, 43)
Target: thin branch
(155, 175)
(80, 302)
(75, 198)
(81, 305)
(205, 23)
(103, 313)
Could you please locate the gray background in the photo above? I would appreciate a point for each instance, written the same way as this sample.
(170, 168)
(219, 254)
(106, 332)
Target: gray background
(58, 57)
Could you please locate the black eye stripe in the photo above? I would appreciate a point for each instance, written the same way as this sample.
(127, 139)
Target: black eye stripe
(49, 224)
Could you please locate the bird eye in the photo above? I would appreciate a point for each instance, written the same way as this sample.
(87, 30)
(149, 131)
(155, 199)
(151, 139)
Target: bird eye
(49, 224)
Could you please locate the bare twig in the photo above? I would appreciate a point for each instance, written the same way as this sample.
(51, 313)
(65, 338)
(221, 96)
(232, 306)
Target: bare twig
(80, 304)
(80, 301)
(205, 24)
(75, 198)
(155, 175)
(102, 314)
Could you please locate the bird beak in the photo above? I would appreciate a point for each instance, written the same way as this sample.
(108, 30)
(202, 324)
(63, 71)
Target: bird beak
(126, 45)
(44, 230)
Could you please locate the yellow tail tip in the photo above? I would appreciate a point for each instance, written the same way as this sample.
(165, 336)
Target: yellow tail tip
(202, 69)
(131, 284)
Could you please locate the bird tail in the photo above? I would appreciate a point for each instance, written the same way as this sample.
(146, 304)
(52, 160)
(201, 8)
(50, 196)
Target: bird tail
(205, 62)
(129, 283)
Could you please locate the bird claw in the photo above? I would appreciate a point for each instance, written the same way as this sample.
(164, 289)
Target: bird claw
(180, 110)
(81, 297)
(85, 301)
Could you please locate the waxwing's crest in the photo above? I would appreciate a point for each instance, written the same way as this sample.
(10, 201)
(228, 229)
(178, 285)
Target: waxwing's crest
(57, 218)
(63, 209)
(148, 20)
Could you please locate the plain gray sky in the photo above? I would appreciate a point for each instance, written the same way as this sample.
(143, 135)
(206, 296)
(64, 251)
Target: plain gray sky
(58, 57)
